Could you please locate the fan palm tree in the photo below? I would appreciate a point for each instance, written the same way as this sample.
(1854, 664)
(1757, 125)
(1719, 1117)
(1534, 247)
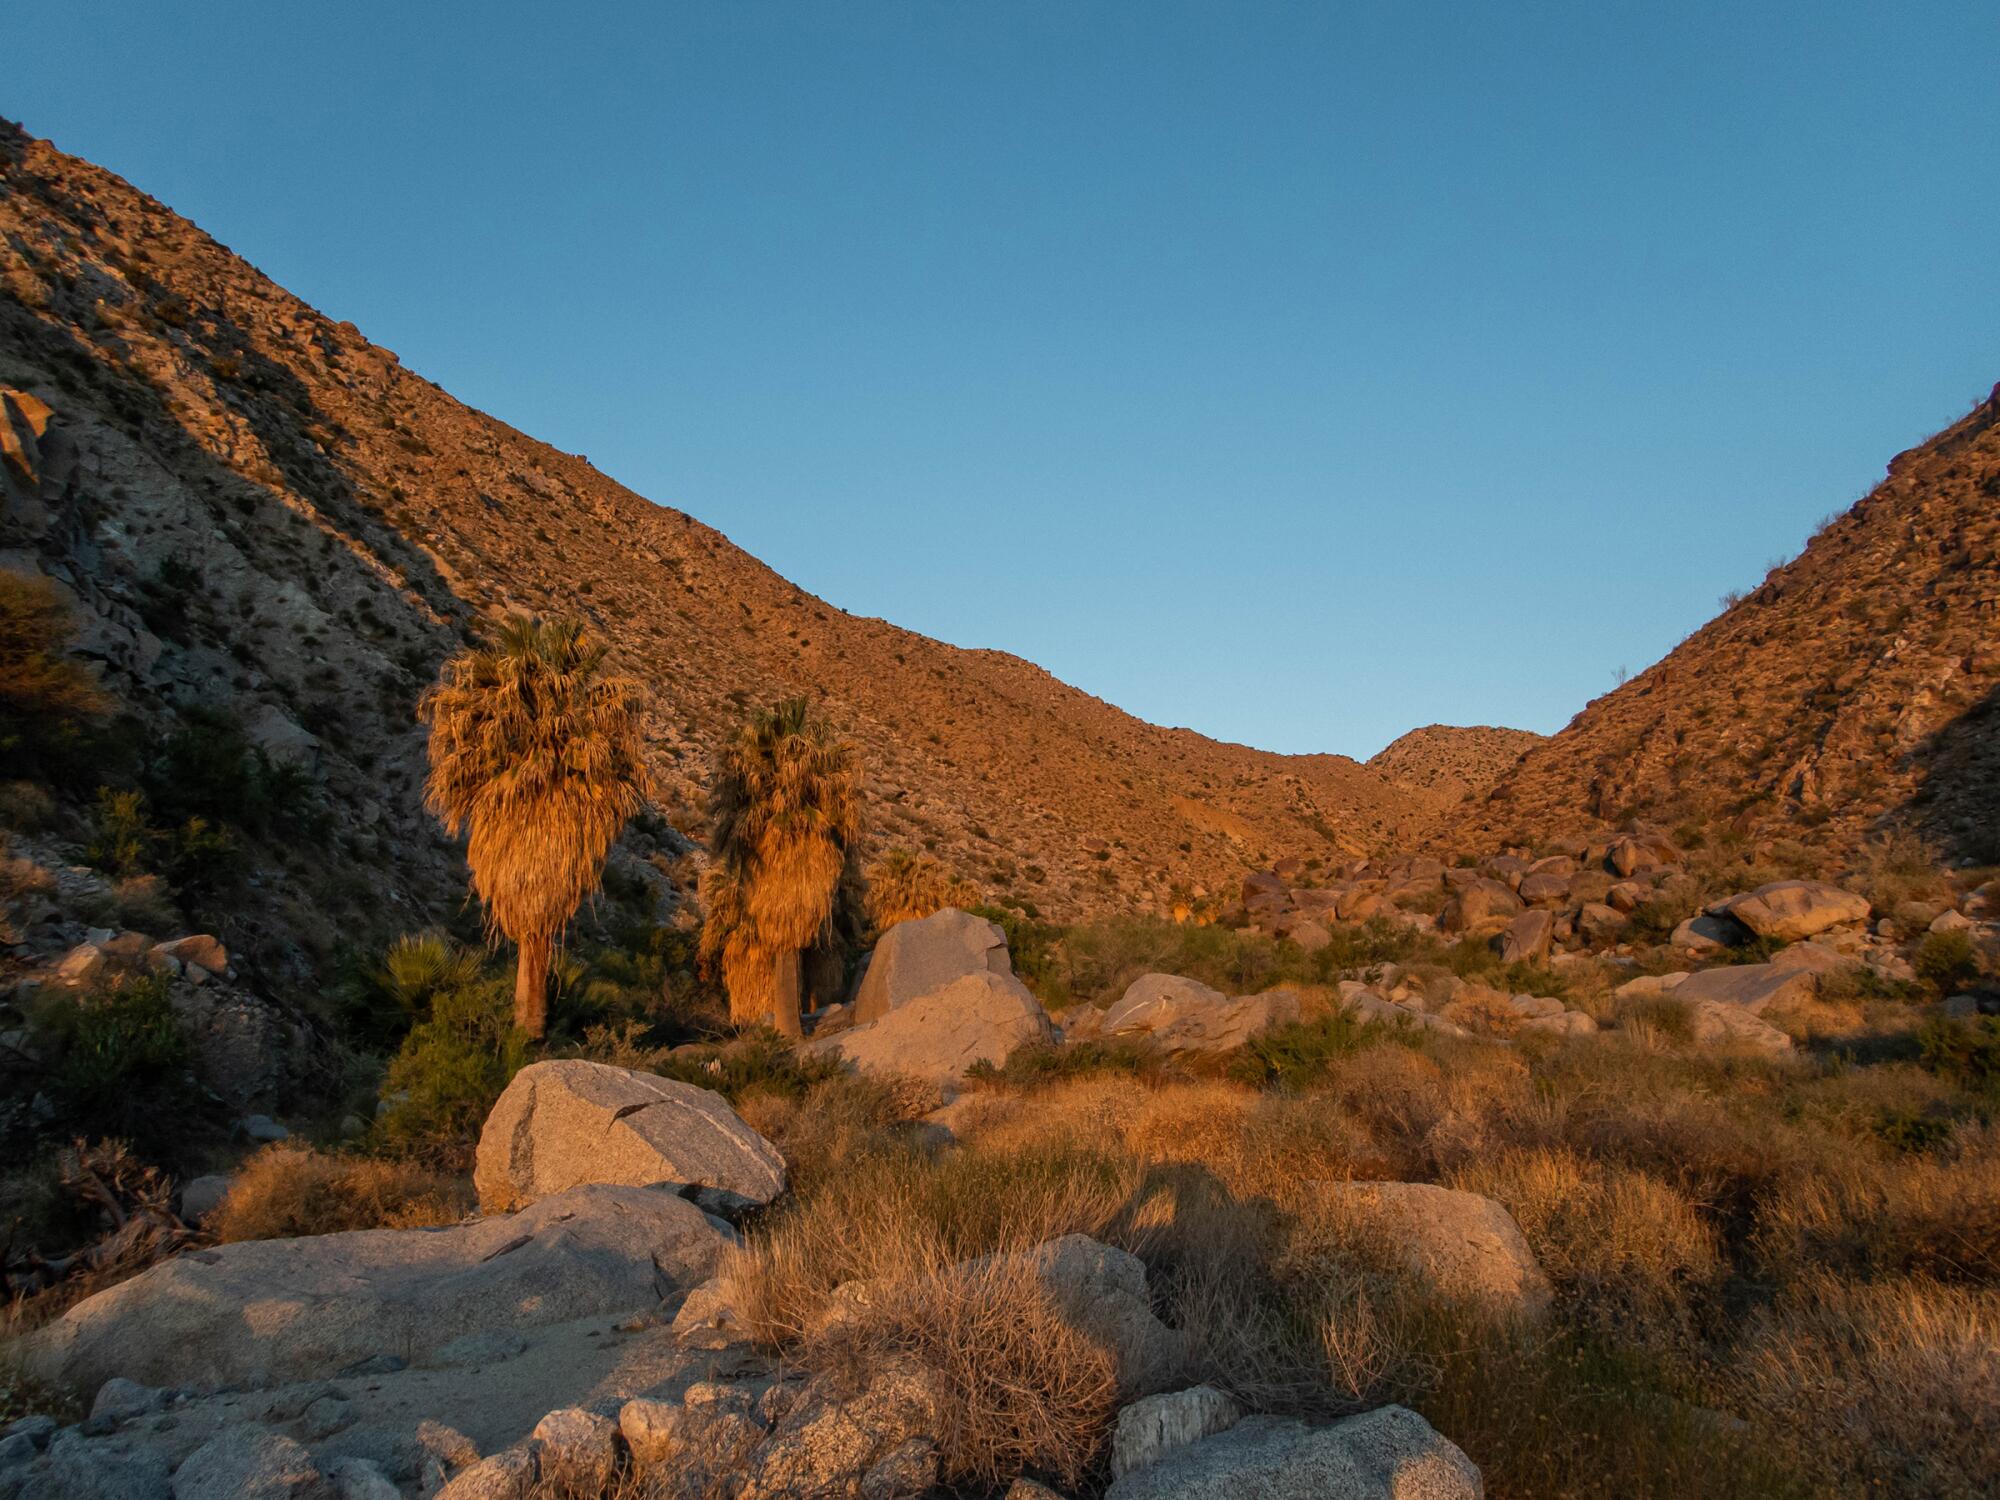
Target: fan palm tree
(903, 886)
(537, 752)
(785, 815)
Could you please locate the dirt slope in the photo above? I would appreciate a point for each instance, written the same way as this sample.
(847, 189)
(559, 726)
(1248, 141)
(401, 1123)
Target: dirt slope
(1857, 687)
(259, 509)
(1450, 761)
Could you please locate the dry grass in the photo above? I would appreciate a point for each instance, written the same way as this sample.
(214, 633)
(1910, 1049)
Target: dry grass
(287, 1190)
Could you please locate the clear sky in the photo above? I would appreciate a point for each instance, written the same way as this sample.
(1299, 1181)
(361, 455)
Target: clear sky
(1298, 372)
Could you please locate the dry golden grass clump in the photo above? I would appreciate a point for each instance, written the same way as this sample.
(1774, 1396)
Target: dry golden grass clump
(903, 887)
(287, 1190)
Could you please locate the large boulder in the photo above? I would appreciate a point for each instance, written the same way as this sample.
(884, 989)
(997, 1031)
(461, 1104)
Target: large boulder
(839, 1439)
(1150, 1429)
(977, 1018)
(1480, 909)
(1703, 934)
(1465, 1247)
(1753, 987)
(1387, 1454)
(1786, 910)
(562, 1124)
(1185, 1015)
(1526, 938)
(1711, 1023)
(921, 957)
(266, 1311)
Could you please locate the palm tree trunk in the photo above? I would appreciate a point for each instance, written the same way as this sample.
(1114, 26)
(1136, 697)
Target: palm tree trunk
(531, 986)
(786, 997)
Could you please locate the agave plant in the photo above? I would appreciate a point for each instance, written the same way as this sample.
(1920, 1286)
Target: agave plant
(536, 751)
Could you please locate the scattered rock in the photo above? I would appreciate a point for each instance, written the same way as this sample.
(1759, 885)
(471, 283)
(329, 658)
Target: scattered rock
(1706, 934)
(1527, 937)
(1481, 908)
(1184, 1015)
(563, 1124)
(1714, 1023)
(1154, 1427)
(1464, 1246)
(1754, 987)
(581, 1445)
(1787, 910)
(505, 1476)
(835, 1440)
(977, 1018)
(921, 957)
(1387, 1454)
(247, 1463)
(203, 1196)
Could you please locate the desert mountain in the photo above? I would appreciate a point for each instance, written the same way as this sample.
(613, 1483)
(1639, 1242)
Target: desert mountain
(1452, 762)
(1857, 686)
(260, 512)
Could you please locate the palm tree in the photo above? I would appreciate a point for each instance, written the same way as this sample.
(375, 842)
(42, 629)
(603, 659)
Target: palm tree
(903, 886)
(785, 813)
(537, 752)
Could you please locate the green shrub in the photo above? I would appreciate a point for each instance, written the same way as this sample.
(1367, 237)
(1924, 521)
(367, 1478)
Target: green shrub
(1967, 1051)
(120, 1059)
(1300, 1054)
(1044, 1062)
(1947, 961)
(451, 1068)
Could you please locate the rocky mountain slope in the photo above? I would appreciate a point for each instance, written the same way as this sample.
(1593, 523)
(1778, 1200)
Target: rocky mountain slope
(257, 510)
(1452, 762)
(1857, 687)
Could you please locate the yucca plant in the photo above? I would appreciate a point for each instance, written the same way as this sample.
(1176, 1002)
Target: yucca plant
(785, 825)
(536, 751)
(903, 887)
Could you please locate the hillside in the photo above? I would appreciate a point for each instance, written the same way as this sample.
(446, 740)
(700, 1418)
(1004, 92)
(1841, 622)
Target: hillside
(1450, 761)
(260, 512)
(1856, 687)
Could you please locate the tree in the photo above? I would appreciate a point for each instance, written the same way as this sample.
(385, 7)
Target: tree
(785, 826)
(903, 886)
(537, 752)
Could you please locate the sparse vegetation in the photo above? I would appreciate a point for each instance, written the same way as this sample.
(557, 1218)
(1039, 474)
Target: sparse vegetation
(287, 1190)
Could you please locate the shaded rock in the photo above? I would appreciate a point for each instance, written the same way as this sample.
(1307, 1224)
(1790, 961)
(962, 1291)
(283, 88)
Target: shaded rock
(1154, 1427)
(1706, 934)
(977, 1018)
(1537, 888)
(1387, 1454)
(1713, 1023)
(203, 1196)
(1366, 1005)
(201, 950)
(81, 1468)
(562, 1124)
(921, 957)
(1598, 923)
(1464, 1246)
(120, 1400)
(1527, 937)
(1185, 1015)
(1566, 1023)
(1754, 987)
(265, 1311)
(246, 1463)
(1786, 910)
(1480, 908)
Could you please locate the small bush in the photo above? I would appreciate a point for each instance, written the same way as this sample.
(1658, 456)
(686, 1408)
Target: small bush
(121, 1057)
(451, 1068)
(288, 1190)
(1298, 1055)
(1040, 1063)
(1967, 1051)
(1946, 961)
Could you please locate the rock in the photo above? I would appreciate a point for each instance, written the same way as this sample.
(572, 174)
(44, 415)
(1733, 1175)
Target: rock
(708, 1319)
(921, 957)
(486, 1346)
(1387, 1454)
(281, 737)
(325, 1416)
(505, 1476)
(976, 1018)
(360, 1479)
(1712, 1023)
(1102, 1291)
(1366, 1005)
(247, 1463)
(81, 1468)
(1951, 921)
(1627, 896)
(262, 1129)
(1544, 887)
(203, 1196)
(120, 1400)
(580, 1445)
(1527, 937)
(1464, 1246)
(1787, 910)
(201, 950)
(563, 1124)
(265, 1311)
(1480, 909)
(1568, 1023)
(1311, 936)
(651, 1429)
(1754, 987)
(834, 1439)
(1961, 1007)
(1025, 1488)
(1810, 958)
(82, 965)
(1184, 1015)
(1705, 934)
(1598, 923)
(1158, 1425)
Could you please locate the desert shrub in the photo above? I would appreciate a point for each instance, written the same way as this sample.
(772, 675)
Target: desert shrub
(1298, 1055)
(1966, 1050)
(47, 699)
(1946, 961)
(198, 855)
(1887, 1388)
(1901, 867)
(287, 1190)
(757, 1062)
(451, 1068)
(1037, 1064)
(120, 1059)
(378, 1003)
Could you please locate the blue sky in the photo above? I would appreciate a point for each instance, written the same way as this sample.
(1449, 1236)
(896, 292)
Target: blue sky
(1300, 373)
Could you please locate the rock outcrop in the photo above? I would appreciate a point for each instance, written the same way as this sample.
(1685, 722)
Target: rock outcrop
(978, 1018)
(1462, 1246)
(1387, 1454)
(569, 1122)
(1185, 1015)
(921, 957)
